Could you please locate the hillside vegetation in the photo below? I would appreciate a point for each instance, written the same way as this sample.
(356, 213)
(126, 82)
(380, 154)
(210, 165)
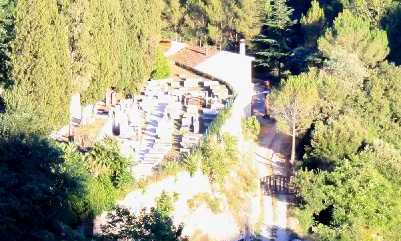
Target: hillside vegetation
(334, 65)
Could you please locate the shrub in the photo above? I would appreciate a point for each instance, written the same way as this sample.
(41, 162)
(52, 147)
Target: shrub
(212, 203)
(193, 161)
(164, 204)
(250, 127)
(104, 176)
(162, 68)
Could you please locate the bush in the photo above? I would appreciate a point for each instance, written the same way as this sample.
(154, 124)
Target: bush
(250, 127)
(164, 204)
(193, 161)
(162, 68)
(103, 173)
(212, 203)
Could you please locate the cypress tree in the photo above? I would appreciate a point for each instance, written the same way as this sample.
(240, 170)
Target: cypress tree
(41, 64)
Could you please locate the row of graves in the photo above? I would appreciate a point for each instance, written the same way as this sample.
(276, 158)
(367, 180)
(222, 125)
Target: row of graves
(167, 115)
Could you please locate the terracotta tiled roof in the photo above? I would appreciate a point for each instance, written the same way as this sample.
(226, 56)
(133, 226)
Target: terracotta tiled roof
(191, 55)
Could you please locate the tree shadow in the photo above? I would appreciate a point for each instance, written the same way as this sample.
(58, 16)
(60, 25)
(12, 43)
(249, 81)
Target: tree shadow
(392, 23)
(147, 225)
(34, 190)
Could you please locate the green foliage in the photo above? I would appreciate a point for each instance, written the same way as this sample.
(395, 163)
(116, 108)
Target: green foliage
(352, 36)
(6, 35)
(294, 105)
(218, 122)
(350, 187)
(42, 74)
(372, 11)
(193, 161)
(352, 201)
(205, 198)
(164, 203)
(162, 68)
(219, 155)
(146, 226)
(105, 176)
(74, 46)
(312, 24)
(250, 127)
(272, 44)
(173, 15)
(214, 21)
(105, 159)
(114, 43)
(337, 140)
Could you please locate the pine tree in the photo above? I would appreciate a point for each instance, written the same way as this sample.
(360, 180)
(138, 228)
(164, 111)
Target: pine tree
(294, 106)
(249, 18)
(273, 44)
(313, 24)
(353, 35)
(372, 11)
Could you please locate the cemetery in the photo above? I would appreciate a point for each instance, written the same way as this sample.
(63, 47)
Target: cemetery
(168, 116)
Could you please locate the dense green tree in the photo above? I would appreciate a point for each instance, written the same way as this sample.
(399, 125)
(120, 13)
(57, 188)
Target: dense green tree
(337, 140)
(173, 15)
(356, 36)
(248, 19)
(115, 44)
(273, 50)
(294, 106)
(6, 35)
(353, 202)
(353, 47)
(221, 23)
(371, 10)
(41, 64)
(312, 24)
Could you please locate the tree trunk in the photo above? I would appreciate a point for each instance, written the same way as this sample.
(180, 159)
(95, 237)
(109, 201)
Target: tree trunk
(293, 151)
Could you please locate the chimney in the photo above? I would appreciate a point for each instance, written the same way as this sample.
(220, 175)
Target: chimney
(242, 47)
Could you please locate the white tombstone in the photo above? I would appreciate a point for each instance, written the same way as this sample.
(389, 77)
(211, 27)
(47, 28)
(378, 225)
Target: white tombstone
(75, 107)
(124, 127)
(164, 129)
(196, 126)
(113, 98)
(88, 114)
(108, 97)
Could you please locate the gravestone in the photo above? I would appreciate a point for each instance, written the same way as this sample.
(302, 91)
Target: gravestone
(113, 98)
(88, 114)
(108, 97)
(196, 125)
(123, 124)
(75, 109)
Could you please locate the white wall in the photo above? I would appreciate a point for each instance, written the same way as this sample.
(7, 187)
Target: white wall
(236, 70)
